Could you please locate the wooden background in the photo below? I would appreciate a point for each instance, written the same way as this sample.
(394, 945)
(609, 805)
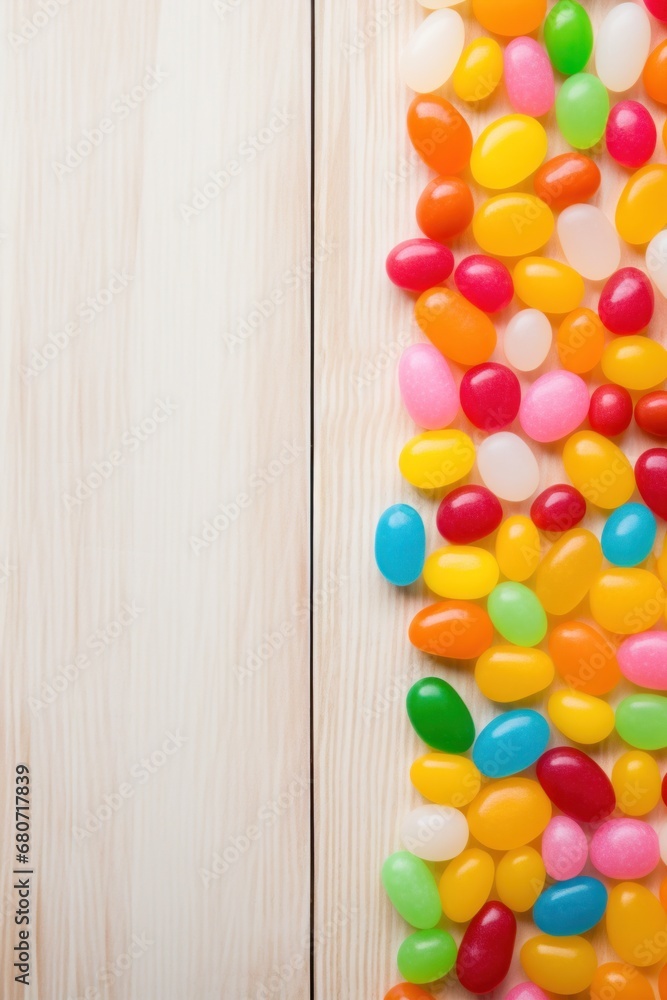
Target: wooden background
(156, 251)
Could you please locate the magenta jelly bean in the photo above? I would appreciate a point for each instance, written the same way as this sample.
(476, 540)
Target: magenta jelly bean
(558, 508)
(627, 302)
(419, 264)
(427, 386)
(490, 396)
(564, 848)
(467, 514)
(529, 77)
(554, 406)
(610, 411)
(526, 991)
(625, 848)
(631, 134)
(485, 282)
(651, 476)
(658, 8)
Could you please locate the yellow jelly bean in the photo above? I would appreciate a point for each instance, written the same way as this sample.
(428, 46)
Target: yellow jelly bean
(437, 458)
(568, 570)
(446, 778)
(661, 562)
(627, 601)
(636, 924)
(642, 208)
(509, 813)
(548, 285)
(559, 964)
(599, 469)
(581, 717)
(518, 548)
(520, 878)
(508, 151)
(479, 70)
(636, 780)
(512, 225)
(510, 673)
(635, 362)
(465, 885)
(461, 571)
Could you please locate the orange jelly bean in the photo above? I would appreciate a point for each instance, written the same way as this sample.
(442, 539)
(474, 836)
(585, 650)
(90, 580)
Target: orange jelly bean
(567, 180)
(620, 981)
(459, 630)
(460, 331)
(407, 991)
(662, 978)
(580, 341)
(439, 133)
(445, 208)
(655, 74)
(663, 893)
(584, 658)
(510, 17)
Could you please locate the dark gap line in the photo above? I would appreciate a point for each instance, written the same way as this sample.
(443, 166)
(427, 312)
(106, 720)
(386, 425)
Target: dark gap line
(312, 499)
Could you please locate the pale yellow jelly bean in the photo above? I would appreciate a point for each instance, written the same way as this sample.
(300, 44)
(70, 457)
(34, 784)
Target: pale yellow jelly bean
(437, 458)
(635, 362)
(599, 469)
(446, 778)
(508, 151)
(512, 225)
(510, 673)
(548, 285)
(466, 884)
(518, 548)
(642, 208)
(567, 571)
(636, 780)
(479, 70)
(509, 813)
(559, 964)
(636, 925)
(461, 571)
(627, 601)
(520, 878)
(581, 717)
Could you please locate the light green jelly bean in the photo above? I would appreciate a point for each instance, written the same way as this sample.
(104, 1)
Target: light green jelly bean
(582, 109)
(641, 720)
(426, 956)
(412, 889)
(517, 614)
(568, 36)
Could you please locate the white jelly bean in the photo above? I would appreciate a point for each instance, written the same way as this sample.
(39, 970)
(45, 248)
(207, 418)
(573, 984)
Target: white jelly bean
(527, 340)
(589, 241)
(622, 48)
(508, 467)
(432, 53)
(656, 261)
(435, 833)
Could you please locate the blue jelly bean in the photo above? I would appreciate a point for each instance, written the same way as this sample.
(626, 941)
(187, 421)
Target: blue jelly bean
(571, 907)
(400, 545)
(511, 743)
(629, 535)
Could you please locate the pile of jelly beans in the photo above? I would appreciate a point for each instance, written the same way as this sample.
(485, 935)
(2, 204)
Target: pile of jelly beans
(564, 628)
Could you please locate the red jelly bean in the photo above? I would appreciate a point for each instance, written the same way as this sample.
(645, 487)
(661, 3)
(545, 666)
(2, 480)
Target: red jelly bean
(486, 951)
(651, 413)
(610, 411)
(445, 208)
(558, 508)
(658, 8)
(631, 134)
(651, 476)
(468, 513)
(407, 991)
(485, 282)
(567, 180)
(576, 784)
(419, 264)
(627, 301)
(490, 396)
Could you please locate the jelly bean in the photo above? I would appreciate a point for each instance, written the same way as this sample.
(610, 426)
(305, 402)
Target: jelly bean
(548, 285)
(458, 329)
(434, 833)
(571, 907)
(641, 720)
(509, 813)
(627, 301)
(664, 799)
(467, 514)
(511, 673)
(412, 889)
(636, 925)
(417, 265)
(432, 53)
(627, 601)
(589, 241)
(584, 659)
(661, 562)
(564, 848)
(486, 951)
(517, 614)
(581, 717)
(554, 406)
(511, 225)
(440, 134)
(568, 570)
(526, 991)
(462, 572)
(558, 508)
(400, 545)
(426, 956)
(566, 180)
(655, 74)
(490, 396)
(518, 548)
(576, 784)
(439, 716)
(485, 282)
(628, 536)
(582, 109)
(614, 979)
(446, 779)
(529, 78)
(656, 261)
(439, 4)
(479, 70)
(437, 458)
(527, 340)
(625, 849)
(559, 964)
(651, 413)
(580, 341)
(622, 46)
(511, 743)
(459, 630)
(520, 878)
(635, 362)
(636, 780)
(642, 208)
(445, 208)
(599, 469)
(651, 473)
(631, 135)
(407, 991)
(658, 8)
(663, 899)
(427, 386)
(508, 151)
(465, 885)
(508, 467)
(568, 36)
(610, 411)
(512, 18)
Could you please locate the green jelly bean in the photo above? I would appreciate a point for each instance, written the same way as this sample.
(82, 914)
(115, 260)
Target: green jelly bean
(568, 36)
(517, 614)
(412, 889)
(426, 956)
(439, 716)
(641, 720)
(582, 109)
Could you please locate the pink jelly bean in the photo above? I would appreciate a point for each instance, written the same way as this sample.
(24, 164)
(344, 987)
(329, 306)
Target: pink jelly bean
(418, 265)
(529, 77)
(490, 396)
(554, 406)
(627, 302)
(625, 848)
(564, 848)
(485, 282)
(610, 411)
(526, 991)
(658, 8)
(643, 660)
(427, 386)
(631, 134)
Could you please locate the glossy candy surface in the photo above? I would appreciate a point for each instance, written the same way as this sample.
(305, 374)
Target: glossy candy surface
(527, 340)
(512, 17)
(440, 134)
(616, 979)
(419, 264)
(460, 630)
(589, 241)
(490, 396)
(576, 784)
(643, 660)
(529, 78)
(558, 508)
(627, 302)
(571, 907)
(656, 261)
(467, 514)
(465, 884)
(599, 469)
(554, 406)
(508, 467)
(510, 743)
(436, 459)
(426, 956)
(636, 925)
(627, 601)
(412, 889)
(518, 548)
(526, 991)
(461, 571)
(485, 282)
(610, 412)
(635, 362)
(568, 570)
(622, 46)
(582, 109)
(509, 813)
(642, 208)
(479, 70)
(580, 341)
(564, 848)
(455, 326)
(636, 780)
(584, 658)
(434, 833)
(559, 964)
(658, 8)
(520, 878)
(567, 179)
(548, 285)
(651, 473)
(431, 55)
(511, 673)
(427, 386)
(568, 36)
(445, 208)
(485, 953)
(625, 848)
(439, 716)
(651, 413)
(655, 73)
(631, 135)
(508, 151)
(498, 230)
(581, 717)
(517, 614)
(446, 779)
(629, 534)
(407, 991)
(641, 720)
(400, 545)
